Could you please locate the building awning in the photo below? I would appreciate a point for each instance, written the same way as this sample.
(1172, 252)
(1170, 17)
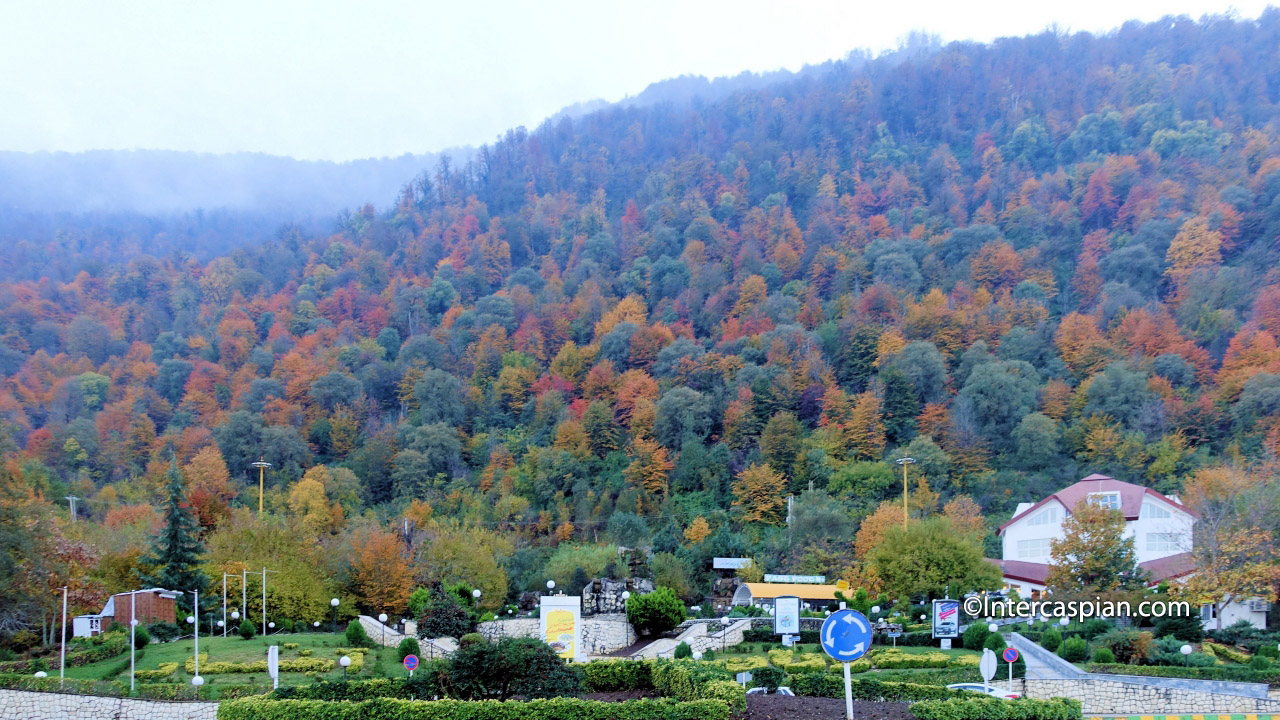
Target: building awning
(804, 591)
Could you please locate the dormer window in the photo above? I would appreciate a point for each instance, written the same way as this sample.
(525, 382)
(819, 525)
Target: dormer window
(1106, 499)
(1153, 511)
(1048, 516)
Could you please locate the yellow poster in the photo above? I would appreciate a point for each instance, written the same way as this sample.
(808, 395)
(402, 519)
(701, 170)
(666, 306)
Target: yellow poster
(560, 632)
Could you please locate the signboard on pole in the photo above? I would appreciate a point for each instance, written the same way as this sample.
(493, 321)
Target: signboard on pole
(560, 625)
(946, 618)
(846, 636)
(410, 662)
(786, 615)
(987, 666)
(273, 665)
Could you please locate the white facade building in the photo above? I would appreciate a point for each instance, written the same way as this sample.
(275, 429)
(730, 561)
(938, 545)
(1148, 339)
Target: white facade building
(1161, 528)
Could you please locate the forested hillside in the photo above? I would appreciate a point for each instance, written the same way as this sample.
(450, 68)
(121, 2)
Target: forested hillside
(1018, 263)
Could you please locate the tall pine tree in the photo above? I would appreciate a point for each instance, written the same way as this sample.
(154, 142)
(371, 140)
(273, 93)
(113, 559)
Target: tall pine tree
(176, 551)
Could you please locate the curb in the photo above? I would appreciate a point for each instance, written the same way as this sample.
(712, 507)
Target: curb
(1198, 716)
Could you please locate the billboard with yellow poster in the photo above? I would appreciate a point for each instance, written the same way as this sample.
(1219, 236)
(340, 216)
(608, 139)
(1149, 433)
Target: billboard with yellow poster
(561, 625)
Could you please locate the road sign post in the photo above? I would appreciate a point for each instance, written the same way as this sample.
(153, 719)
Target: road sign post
(410, 662)
(1010, 656)
(988, 668)
(846, 636)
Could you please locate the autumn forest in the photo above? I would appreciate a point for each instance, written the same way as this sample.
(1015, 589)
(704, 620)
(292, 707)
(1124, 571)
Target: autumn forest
(1018, 263)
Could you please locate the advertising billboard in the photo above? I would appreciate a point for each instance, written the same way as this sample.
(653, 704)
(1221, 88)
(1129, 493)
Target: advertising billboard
(786, 615)
(946, 618)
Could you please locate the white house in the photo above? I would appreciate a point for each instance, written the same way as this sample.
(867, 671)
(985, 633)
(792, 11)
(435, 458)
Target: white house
(1160, 525)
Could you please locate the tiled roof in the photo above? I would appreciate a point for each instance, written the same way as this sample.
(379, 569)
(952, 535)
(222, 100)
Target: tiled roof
(1131, 497)
(1165, 568)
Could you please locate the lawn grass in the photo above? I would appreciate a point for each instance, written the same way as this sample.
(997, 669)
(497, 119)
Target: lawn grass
(234, 649)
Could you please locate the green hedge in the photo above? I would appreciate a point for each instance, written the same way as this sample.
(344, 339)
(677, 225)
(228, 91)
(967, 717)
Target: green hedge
(1228, 674)
(986, 708)
(76, 687)
(422, 686)
(684, 679)
(611, 675)
(832, 685)
(394, 709)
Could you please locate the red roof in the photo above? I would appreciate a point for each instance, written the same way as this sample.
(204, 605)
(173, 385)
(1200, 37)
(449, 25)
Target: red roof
(1131, 497)
(1165, 568)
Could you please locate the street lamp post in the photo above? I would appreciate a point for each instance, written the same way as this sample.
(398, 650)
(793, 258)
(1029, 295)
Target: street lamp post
(334, 603)
(551, 585)
(476, 595)
(344, 662)
(262, 467)
(382, 618)
(904, 462)
(195, 628)
(235, 618)
(724, 634)
(62, 670)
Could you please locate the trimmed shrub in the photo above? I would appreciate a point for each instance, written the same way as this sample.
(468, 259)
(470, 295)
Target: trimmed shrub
(247, 629)
(655, 612)
(987, 708)
(611, 675)
(1074, 649)
(356, 635)
(768, 677)
(256, 708)
(974, 636)
(1104, 656)
(682, 651)
(1231, 674)
(1051, 640)
(140, 637)
(1096, 627)
(684, 679)
(1128, 646)
(408, 646)
(730, 693)
(995, 643)
(511, 666)
(163, 671)
(832, 685)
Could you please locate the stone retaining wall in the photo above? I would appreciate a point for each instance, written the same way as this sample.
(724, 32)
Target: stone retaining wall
(25, 705)
(1108, 697)
(601, 634)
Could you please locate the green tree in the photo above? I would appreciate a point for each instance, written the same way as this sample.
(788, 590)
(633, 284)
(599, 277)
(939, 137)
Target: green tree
(176, 551)
(929, 558)
(780, 441)
(1036, 441)
(1093, 555)
(655, 612)
(925, 367)
(1001, 393)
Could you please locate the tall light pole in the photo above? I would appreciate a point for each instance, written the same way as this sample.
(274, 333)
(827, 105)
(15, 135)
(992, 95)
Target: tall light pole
(334, 603)
(62, 669)
(904, 462)
(224, 604)
(476, 594)
(382, 618)
(193, 620)
(262, 467)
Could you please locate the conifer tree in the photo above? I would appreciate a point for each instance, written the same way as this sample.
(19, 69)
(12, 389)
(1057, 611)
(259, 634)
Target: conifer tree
(175, 554)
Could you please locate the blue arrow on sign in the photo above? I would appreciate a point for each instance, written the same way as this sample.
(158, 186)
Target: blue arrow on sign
(846, 635)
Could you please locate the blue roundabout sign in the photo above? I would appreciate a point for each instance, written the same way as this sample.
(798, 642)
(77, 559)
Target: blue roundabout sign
(846, 635)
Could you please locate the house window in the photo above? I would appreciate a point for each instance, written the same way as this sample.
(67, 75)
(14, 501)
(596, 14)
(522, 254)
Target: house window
(1152, 510)
(1162, 542)
(1049, 516)
(1033, 549)
(1106, 500)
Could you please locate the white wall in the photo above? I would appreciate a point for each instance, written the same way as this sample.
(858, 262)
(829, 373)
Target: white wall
(1179, 524)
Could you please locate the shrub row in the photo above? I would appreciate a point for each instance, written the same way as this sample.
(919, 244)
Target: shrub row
(422, 686)
(395, 709)
(982, 708)
(612, 675)
(302, 664)
(829, 685)
(163, 671)
(1229, 674)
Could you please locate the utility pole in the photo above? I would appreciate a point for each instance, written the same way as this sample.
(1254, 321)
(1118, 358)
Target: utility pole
(62, 669)
(262, 467)
(72, 499)
(904, 462)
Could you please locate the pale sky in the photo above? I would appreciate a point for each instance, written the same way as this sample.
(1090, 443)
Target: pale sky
(338, 81)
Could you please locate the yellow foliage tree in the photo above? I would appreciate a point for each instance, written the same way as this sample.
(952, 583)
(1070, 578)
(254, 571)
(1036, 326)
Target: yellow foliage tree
(758, 491)
(697, 531)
